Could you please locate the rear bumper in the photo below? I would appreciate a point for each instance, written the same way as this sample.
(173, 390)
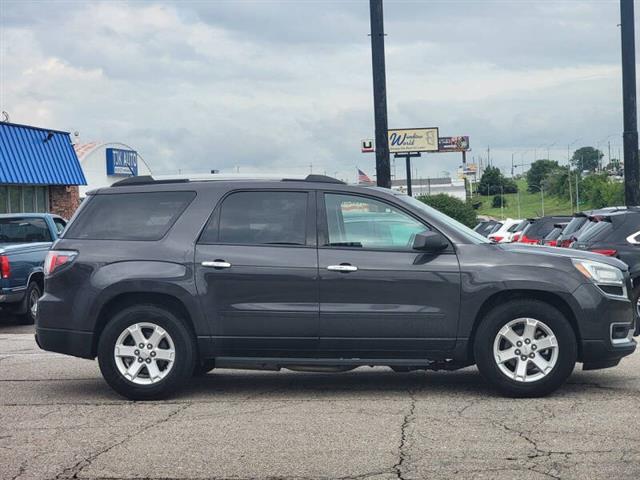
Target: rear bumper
(69, 342)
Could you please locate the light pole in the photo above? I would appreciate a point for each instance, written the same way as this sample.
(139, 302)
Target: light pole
(541, 188)
(569, 171)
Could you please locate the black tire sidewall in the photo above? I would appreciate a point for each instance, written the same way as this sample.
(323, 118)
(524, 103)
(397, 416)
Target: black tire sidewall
(554, 319)
(27, 318)
(183, 343)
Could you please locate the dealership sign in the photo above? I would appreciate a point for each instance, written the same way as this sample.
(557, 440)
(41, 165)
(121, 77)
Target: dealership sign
(407, 140)
(453, 144)
(366, 145)
(122, 162)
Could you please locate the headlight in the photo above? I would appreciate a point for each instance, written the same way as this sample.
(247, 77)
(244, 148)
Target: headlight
(609, 279)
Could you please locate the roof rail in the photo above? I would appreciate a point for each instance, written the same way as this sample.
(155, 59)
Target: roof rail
(315, 178)
(148, 179)
(145, 180)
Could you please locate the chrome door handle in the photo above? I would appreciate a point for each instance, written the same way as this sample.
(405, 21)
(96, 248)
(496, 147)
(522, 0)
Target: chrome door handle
(216, 264)
(342, 268)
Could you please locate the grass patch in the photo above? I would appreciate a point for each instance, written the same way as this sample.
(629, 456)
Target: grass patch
(530, 204)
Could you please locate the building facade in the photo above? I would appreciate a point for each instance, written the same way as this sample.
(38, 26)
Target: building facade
(39, 171)
(105, 163)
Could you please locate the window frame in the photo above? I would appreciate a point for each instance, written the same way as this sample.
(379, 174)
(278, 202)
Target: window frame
(323, 227)
(214, 217)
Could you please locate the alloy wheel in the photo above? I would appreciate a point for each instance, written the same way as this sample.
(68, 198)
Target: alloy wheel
(525, 350)
(144, 353)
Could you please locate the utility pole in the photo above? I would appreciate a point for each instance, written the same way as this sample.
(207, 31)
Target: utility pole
(383, 167)
(630, 134)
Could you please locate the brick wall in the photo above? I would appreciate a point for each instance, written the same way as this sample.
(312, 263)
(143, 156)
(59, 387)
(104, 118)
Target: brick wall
(63, 200)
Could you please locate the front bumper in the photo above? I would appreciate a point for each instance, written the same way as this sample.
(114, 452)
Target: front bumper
(606, 329)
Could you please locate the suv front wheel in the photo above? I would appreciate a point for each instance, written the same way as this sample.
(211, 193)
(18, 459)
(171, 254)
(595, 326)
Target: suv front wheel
(145, 352)
(525, 348)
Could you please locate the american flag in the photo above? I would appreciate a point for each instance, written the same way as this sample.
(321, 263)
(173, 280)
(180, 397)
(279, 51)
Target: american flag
(363, 177)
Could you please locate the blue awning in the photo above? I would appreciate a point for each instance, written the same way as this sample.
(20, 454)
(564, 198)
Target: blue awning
(37, 156)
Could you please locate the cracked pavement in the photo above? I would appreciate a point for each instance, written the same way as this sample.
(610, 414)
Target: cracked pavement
(59, 420)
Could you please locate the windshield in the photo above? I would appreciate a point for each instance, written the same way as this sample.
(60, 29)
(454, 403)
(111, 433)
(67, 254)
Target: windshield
(463, 230)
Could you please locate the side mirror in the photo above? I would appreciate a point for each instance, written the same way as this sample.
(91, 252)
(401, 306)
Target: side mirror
(430, 242)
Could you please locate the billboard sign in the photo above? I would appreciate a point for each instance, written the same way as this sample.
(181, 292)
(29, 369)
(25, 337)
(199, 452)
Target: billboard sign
(453, 144)
(122, 162)
(405, 140)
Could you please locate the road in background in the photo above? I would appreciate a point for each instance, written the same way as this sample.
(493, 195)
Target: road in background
(58, 419)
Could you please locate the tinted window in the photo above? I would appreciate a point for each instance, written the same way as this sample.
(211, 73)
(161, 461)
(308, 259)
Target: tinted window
(354, 221)
(260, 218)
(129, 216)
(595, 229)
(24, 230)
(574, 225)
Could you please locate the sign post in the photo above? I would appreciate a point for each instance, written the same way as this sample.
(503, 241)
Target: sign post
(408, 143)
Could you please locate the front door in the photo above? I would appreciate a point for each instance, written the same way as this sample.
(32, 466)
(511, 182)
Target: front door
(378, 297)
(257, 273)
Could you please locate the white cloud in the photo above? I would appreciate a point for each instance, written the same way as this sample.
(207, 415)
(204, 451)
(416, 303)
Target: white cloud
(279, 85)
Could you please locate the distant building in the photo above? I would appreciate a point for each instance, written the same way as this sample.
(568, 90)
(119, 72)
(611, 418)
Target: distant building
(39, 170)
(104, 163)
(432, 186)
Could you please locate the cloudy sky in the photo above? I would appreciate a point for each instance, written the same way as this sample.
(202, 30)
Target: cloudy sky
(285, 86)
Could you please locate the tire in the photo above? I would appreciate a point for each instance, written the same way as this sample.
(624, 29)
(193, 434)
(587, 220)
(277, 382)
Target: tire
(33, 293)
(520, 376)
(155, 376)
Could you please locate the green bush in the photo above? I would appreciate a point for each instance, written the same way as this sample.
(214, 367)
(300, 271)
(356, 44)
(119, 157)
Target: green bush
(499, 201)
(454, 207)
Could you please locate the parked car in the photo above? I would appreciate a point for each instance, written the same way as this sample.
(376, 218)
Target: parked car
(580, 220)
(24, 241)
(487, 227)
(176, 277)
(505, 233)
(551, 239)
(517, 233)
(539, 228)
(615, 234)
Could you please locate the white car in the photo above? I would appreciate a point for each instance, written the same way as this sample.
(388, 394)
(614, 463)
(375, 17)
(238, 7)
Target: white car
(505, 233)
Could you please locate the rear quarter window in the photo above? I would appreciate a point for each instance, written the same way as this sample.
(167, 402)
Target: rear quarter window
(129, 216)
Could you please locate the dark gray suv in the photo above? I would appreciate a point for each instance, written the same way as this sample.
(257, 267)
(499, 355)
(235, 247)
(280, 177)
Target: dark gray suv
(163, 279)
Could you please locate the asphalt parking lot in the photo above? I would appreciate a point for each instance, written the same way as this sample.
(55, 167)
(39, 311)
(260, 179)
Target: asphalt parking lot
(58, 419)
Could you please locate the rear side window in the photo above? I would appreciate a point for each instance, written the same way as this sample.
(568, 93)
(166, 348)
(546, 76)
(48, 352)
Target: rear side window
(24, 230)
(260, 218)
(596, 229)
(129, 216)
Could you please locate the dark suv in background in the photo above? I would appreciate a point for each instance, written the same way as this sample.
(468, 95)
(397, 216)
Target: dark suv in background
(164, 279)
(615, 233)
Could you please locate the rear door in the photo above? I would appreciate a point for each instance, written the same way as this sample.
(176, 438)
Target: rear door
(378, 297)
(257, 273)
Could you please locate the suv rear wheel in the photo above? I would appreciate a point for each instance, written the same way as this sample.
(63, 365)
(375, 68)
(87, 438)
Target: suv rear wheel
(145, 352)
(525, 348)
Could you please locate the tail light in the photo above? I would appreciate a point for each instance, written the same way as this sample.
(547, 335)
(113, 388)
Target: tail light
(516, 237)
(553, 243)
(605, 251)
(56, 259)
(5, 267)
(496, 238)
(565, 243)
(533, 241)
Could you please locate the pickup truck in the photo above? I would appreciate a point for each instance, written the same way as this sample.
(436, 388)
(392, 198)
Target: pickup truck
(25, 239)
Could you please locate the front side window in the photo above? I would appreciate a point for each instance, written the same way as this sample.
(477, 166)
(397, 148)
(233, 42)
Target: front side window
(60, 224)
(354, 221)
(260, 218)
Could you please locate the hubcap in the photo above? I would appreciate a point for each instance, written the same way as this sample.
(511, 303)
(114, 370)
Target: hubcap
(525, 350)
(144, 353)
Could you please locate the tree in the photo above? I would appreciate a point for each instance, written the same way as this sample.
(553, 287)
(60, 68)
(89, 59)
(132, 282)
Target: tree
(499, 201)
(538, 173)
(453, 207)
(493, 182)
(586, 158)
